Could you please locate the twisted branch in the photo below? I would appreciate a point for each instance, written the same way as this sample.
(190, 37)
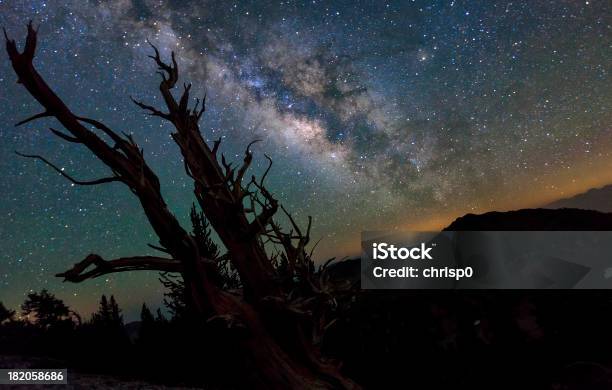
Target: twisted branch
(79, 272)
(67, 176)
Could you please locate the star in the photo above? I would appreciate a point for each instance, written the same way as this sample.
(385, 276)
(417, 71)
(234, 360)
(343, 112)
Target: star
(377, 115)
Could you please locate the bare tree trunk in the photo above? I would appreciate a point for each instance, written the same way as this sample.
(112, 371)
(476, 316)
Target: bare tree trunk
(274, 332)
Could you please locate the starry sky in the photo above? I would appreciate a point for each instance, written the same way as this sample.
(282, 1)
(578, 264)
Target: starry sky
(378, 115)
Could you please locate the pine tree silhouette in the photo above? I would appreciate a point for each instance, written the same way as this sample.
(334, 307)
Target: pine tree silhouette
(176, 298)
(115, 313)
(44, 309)
(146, 317)
(102, 317)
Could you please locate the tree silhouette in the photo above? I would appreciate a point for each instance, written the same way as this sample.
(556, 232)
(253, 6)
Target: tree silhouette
(108, 314)
(201, 231)
(6, 314)
(146, 317)
(148, 328)
(276, 319)
(103, 315)
(106, 334)
(44, 309)
(116, 317)
(176, 298)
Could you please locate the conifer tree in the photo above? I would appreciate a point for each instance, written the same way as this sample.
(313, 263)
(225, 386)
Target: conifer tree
(44, 309)
(146, 317)
(115, 312)
(277, 317)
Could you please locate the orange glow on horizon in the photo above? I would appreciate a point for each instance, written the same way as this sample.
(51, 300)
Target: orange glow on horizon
(563, 185)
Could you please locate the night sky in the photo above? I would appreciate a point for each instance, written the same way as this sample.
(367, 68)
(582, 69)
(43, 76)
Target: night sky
(378, 115)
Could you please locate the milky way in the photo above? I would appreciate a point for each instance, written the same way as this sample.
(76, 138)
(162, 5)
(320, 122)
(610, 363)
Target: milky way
(378, 115)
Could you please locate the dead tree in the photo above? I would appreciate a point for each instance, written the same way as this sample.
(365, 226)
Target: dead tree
(281, 307)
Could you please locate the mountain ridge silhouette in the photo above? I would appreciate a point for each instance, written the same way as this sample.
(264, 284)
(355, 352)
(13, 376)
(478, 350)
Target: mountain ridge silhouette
(599, 199)
(539, 219)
